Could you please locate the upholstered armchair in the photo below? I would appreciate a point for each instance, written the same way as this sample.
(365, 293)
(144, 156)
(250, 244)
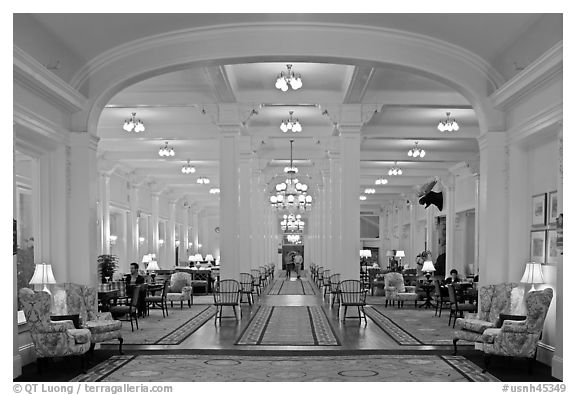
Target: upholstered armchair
(180, 289)
(518, 338)
(395, 290)
(493, 300)
(51, 338)
(70, 298)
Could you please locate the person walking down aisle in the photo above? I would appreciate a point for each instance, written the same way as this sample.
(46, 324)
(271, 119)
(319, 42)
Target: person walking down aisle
(298, 259)
(289, 262)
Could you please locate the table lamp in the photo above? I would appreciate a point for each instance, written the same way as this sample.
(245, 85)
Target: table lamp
(191, 259)
(42, 276)
(399, 254)
(210, 259)
(146, 259)
(365, 254)
(533, 275)
(152, 267)
(198, 258)
(428, 268)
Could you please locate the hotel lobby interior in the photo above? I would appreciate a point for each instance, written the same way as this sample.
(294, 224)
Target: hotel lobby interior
(288, 197)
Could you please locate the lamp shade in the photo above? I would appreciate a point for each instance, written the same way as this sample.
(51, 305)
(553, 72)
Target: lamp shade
(390, 253)
(43, 274)
(192, 258)
(428, 266)
(209, 258)
(400, 254)
(153, 265)
(365, 253)
(198, 257)
(533, 274)
(147, 258)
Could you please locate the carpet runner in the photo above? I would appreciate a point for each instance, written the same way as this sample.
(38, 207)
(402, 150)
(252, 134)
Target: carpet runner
(286, 287)
(409, 327)
(220, 368)
(289, 326)
(170, 330)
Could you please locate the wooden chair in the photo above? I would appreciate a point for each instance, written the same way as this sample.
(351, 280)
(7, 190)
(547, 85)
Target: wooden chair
(246, 287)
(457, 309)
(263, 276)
(201, 278)
(325, 282)
(320, 277)
(226, 293)
(130, 310)
(334, 291)
(161, 300)
(352, 294)
(440, 298)
(256, 280)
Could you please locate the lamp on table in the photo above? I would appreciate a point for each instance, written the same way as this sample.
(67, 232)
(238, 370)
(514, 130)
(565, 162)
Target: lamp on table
(390, 254)
(533, 275)
(428, 268)
(210, 259)
(399, 254)
(365, 254)
(42, 276)
(151, 268)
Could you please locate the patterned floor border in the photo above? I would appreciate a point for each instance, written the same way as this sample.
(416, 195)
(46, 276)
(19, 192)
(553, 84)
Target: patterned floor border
(399, 334)
(320, 326)
(182, 332)
(270, 365)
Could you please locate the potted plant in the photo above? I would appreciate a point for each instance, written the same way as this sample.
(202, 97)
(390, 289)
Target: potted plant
(107, 265)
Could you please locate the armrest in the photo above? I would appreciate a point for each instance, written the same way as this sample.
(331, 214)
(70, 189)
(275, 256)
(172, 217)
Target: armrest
(60, 326)
(186, 290)
(410, 288)
(514, 326)
(103, 316)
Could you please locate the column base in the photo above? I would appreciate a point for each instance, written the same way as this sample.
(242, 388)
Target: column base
(16, 366)
(558, 367)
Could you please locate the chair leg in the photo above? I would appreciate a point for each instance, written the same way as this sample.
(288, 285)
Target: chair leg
(234, 309)
(344, 317)
(131, 323)
(487, 359)
(172, 304)
(136, 319)
(364, 315)
(121, 341)
(454, 341)
(39, 362)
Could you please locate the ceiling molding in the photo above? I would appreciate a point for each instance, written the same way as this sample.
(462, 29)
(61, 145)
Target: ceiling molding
(548, 118)
(220, 83)
(361, 78)
(32, 74)
(41, 126)
(543, 69)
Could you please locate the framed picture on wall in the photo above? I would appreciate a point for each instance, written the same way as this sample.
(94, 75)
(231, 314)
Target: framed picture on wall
(539, 210)
(551, 246)
(552, 207)
(538, 246)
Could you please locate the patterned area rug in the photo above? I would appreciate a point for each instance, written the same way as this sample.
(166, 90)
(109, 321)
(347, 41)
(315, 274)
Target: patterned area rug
(170, 330)
(219, 368)
(286, 287)
(289, 326)
(409, 327)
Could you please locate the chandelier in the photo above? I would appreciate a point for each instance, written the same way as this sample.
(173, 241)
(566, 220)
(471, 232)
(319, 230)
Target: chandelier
(214, 191)
(362, 197)
(292, 222)
(381, 181)
(288, 79)
(448, 125)
(291, 124)
(134, 125)
(369, 191)
(203, 180)
(291, 194)
(188, 168)
(416, 151)
(395, 170)
(166, 151)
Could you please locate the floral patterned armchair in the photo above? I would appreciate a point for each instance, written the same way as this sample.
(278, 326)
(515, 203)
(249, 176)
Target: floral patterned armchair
(395, 290)
(51, 338)
(493, 299)
(519, 338)
(79, 299)
(180, 289)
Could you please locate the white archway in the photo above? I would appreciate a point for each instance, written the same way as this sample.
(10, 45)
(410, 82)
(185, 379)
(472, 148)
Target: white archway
(125, 65)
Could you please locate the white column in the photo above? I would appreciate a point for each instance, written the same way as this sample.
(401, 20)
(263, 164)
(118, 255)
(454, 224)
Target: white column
(381, 237)
(133, 242)
(246, 198)
(450, 195)
(105, 202)
(493, 214)
(155, 219)
(256, 207)
(336, 208)
(476, 223)
(184, 250)
(195, 228)
(321, 226)
(430, 244)
(350, 204)
(411, 255)
(557, 359)
(328, 220)
(171, 235)
(229, 126)
(83, 189)
(16, 358)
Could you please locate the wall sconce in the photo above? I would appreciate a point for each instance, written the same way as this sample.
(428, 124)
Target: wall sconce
(190, 245)
(160, 241)
(177, 243)
(141, 240)
(113, 239)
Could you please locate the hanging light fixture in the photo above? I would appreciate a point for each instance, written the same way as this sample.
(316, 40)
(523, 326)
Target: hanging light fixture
(362, 197)
(188, 168)
(416, 152)
(369, 191)
(448, 125)
(133, 124)
(214, 191)
(165, 150)
(202, 180)
(395, 170)
(291, 124)
(291, 194)
(381, 181)
(288, 79)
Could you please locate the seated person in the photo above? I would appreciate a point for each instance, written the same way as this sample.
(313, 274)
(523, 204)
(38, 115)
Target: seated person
(453, 277)
(133, 279)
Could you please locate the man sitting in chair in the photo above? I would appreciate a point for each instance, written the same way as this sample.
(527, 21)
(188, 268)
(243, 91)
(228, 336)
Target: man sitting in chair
(133, 279)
